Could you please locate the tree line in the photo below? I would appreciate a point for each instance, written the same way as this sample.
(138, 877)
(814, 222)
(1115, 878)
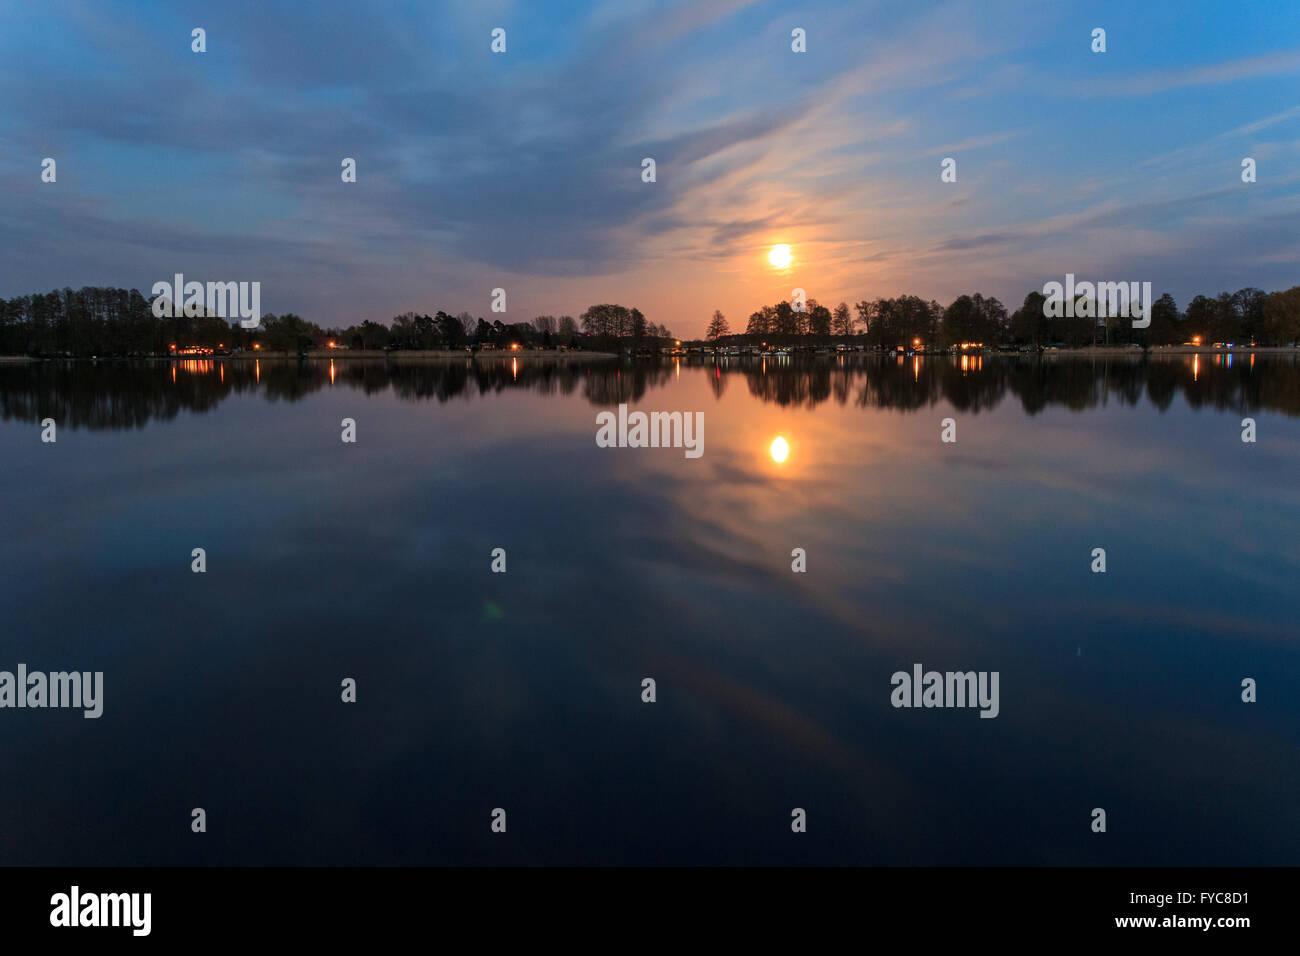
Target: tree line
(1247, 316)
(119, 322)
(617, 322)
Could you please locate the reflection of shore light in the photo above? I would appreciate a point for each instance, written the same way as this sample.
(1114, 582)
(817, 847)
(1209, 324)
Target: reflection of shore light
(780, 449)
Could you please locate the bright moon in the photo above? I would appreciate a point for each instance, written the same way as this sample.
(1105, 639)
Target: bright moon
(779, 449)
(780, 256)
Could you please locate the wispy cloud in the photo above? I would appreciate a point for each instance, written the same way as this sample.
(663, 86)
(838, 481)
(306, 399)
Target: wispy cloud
(974, 142)
(523, 170)
(1158, 81)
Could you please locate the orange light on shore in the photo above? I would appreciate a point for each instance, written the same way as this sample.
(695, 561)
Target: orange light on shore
(1196, 340)
(257, 345)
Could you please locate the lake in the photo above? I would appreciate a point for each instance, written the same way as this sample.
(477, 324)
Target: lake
(523, 690)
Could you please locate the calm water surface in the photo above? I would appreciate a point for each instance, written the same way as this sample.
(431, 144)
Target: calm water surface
(523, 690)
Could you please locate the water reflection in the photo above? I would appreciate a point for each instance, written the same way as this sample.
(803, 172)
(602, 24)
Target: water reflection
(372, 560)
(115, 395)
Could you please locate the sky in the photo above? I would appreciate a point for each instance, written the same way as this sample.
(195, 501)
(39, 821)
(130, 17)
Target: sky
(522, 170)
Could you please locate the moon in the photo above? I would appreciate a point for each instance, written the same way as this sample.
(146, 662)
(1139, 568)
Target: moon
(780, 256)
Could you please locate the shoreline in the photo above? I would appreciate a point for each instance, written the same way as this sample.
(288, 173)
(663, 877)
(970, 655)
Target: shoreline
(1091, 351)
(433, 355)
(430, 355)
(438, 355)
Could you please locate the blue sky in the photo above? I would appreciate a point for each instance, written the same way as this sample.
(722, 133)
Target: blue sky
(522, 170)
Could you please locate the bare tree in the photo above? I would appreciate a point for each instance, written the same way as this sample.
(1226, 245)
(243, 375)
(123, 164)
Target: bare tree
(468, 323)
(717, 326)
(842, 321)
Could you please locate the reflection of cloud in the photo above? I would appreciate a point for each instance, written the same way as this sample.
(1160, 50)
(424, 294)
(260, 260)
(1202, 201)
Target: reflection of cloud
(775, 715)
(628, 564)
(1229, 627)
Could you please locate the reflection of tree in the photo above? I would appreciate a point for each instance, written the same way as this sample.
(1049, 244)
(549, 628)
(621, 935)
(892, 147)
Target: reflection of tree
(1076, 384)
(613, 383)
(129, 395)
(717, 381)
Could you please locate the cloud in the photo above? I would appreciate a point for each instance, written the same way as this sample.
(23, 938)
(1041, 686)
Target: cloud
(478, 170)
(975, 242)
(1158, 81)
(974, 142)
